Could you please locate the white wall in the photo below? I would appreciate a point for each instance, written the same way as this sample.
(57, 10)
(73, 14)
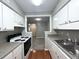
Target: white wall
(4, 34)
(12, 4)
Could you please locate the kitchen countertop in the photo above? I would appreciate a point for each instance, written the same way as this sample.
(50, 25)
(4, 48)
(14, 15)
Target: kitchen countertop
(6, 48)
(56, 37)
(77, 47)
(64, 50)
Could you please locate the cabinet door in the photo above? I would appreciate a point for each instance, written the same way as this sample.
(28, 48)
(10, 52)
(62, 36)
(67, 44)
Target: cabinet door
(59, 54)
(61, 18)
(0, 16)
(8, 17)
(56, 21)
(18, 20)
(74, 10)
(62, 55)
(53, 51)
(22, 21)
(15, 18)
(9, 56)
(56, 52)
(63, 15)
(17, 53)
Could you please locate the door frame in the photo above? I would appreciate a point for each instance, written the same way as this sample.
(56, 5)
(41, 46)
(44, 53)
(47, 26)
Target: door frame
(50, 20)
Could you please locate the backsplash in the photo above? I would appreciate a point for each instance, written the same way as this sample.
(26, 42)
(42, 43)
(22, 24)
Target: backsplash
(4, 34)
(73, 34)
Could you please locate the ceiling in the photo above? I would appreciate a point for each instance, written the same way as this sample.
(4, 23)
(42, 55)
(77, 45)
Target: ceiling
(46, 7)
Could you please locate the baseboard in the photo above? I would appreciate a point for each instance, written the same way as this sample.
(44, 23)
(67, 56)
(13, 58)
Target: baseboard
(45, 49)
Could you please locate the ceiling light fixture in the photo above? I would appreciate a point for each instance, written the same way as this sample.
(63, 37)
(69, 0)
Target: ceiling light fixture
(37, 2)
(38, 19)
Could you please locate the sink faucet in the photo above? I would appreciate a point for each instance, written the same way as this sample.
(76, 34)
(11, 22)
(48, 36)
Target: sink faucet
(69, 39)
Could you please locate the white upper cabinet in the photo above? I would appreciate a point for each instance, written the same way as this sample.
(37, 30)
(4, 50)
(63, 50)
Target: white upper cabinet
(8, 17)
(18, 20)
(68, 16)
(55, 22)
(0, 17)
(74, 10)
(61, 18)
(63, 15)
(73, 16)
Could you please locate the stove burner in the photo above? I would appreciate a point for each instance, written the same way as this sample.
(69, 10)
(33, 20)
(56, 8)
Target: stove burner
(18, 40)
(22, 40)
(24, 37)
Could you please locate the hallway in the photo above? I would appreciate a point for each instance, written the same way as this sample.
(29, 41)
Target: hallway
(38, 28)
(39, 54)
(38, 43)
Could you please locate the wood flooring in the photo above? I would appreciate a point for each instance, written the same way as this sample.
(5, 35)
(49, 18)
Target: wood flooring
(39, 54)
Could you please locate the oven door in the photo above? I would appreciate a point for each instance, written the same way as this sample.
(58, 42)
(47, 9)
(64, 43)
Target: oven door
(27, 46)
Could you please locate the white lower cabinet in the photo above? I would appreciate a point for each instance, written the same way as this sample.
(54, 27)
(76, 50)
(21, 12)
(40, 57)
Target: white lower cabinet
(17, 53)
(9, 56)
(55, 51)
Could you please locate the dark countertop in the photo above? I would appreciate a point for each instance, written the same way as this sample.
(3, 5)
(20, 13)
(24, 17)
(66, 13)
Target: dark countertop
(73, 56)
(6, 48)
(56, 37)
(77, 47)
(67, 45)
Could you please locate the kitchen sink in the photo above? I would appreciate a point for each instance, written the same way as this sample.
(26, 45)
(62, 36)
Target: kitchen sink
(67, 45)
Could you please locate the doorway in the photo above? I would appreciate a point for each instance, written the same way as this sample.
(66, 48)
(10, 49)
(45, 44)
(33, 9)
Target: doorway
(38, 26)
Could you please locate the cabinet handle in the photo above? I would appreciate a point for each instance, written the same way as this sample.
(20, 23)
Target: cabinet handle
(66, 22)
(4, 28)
(58, 57)
(70, 21)
(73, 21)
(15, 57)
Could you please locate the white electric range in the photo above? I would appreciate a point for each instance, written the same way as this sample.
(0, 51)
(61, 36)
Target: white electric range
(20, 39)
(25, 40)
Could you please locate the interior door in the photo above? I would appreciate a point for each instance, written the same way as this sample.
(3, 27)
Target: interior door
(33, 29)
